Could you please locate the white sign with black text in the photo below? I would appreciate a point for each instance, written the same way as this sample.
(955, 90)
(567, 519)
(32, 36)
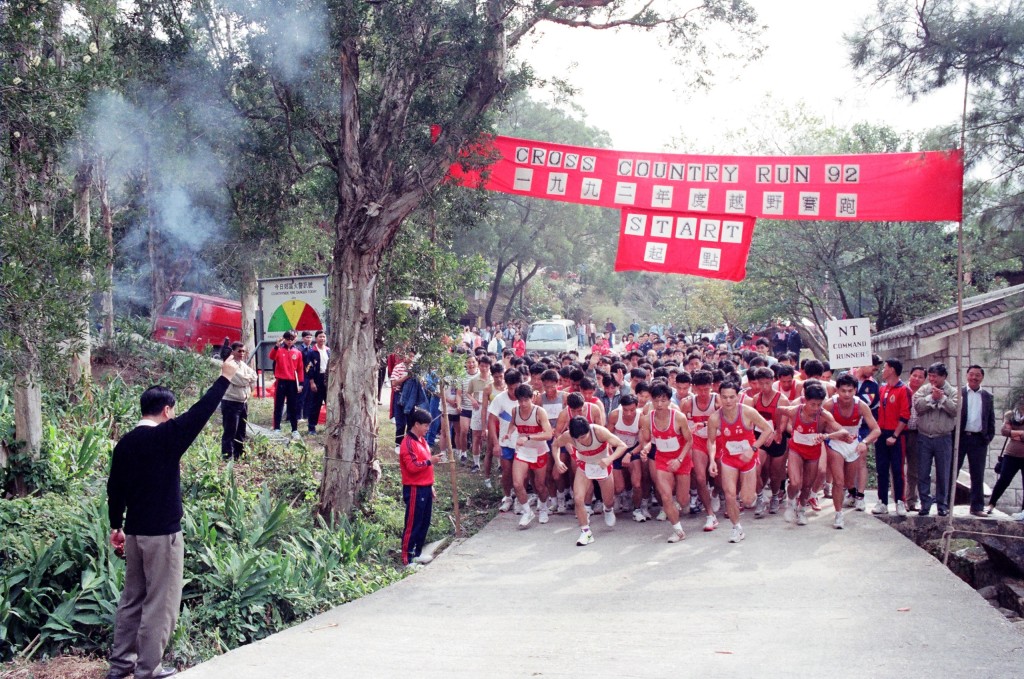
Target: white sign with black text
(849, 342)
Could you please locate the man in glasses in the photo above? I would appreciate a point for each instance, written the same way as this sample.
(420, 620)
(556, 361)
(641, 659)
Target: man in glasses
(235, 404)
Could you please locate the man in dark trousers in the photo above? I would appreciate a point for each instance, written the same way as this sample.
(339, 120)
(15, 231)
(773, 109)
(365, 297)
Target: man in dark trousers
(304, 348)
(977, 429)
(288, 380)
(145, 484)
(316, 377)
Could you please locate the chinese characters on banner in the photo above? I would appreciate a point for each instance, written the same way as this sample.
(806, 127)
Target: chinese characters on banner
(708, 245)
(925, 186)
(718, 196)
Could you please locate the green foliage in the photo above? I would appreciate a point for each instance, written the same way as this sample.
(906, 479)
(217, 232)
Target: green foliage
(422, 287)
(524, 239)
(257, 559)
(921, 47)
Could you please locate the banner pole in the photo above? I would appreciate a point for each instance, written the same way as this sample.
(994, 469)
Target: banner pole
(959, 328)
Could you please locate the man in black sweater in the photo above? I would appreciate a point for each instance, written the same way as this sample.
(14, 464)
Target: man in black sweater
(145, 482)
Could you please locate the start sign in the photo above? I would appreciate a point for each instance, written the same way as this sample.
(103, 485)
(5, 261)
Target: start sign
(849, 342)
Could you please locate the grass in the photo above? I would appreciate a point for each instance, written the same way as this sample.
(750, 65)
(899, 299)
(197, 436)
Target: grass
(289, 471)
(477, 503)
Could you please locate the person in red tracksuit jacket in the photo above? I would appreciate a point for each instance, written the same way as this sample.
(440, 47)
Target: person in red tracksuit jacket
(893, 416)
(417, 466)
(288, 372)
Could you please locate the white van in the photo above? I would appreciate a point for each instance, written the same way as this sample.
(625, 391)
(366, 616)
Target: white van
(552, 336)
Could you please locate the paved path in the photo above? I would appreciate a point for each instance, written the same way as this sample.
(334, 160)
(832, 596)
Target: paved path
(788, 602)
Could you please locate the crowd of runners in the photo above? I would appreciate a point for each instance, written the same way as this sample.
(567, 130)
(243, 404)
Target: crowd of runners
(660, 429)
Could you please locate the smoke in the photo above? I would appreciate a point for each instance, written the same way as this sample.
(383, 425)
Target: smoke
(289, 32)
(171, 149)
(165, 163)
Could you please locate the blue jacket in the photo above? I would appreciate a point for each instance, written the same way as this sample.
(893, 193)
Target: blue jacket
(413, 395)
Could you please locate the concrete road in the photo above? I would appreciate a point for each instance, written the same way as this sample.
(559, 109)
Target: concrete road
(787, 602)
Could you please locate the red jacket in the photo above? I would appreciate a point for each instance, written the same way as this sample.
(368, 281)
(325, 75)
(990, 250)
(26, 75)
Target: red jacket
(519, 348)
(414, 459)
(893, 405)
(287, 363)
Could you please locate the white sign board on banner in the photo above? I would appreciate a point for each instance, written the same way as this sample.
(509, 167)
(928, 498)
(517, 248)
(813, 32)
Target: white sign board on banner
(294, 303)
(849, 342)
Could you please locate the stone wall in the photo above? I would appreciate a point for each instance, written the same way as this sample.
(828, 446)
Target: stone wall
(1003, 372)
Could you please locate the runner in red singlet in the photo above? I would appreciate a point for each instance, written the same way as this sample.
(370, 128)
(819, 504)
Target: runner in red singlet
(528, 428)
(812, 425)
(699, 408)
(596, 451)
(771, 404)
(667, 431)
(732, 428)
(846, 459)
(787, 384)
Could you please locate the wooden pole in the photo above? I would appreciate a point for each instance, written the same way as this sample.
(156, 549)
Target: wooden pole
(959, 327)
(446, 446)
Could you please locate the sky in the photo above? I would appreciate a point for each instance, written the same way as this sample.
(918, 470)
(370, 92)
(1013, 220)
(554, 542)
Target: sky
(629, 86)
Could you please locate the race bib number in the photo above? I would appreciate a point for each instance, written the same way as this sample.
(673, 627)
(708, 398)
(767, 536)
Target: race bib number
(847, 450)
(595, 471)
(527, 454)
(669, 445)
(738, 447)
(805, 439)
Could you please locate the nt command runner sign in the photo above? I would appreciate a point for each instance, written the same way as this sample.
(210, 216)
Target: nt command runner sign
(849, 342)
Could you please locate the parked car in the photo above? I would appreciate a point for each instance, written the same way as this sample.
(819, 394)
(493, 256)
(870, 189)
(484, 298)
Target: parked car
(551, 336)
(189, 320)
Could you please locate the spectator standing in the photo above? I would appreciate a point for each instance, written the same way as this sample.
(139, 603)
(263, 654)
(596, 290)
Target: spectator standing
(917, 379)
(977, 429)
(634, 327)
(235, 406)
(398, 377)
(591, 331)
(304, 348)
(794, 343)
(144, 507)
(496, 344)
(581, 334)
(936, 404)
(288, 372)
(518, 345)
(894, 401)
(780, 344)
(316, 378)
(609, 329)
(1013, 454)
(417, 465)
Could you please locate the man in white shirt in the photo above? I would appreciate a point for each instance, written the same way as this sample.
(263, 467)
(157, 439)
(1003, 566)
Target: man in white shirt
(499, 416)
(316, 377)
(977, 429)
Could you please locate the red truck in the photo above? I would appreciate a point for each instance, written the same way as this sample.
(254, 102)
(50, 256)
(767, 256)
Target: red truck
(189, 320)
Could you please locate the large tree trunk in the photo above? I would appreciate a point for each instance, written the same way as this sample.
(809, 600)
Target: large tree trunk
(499, 273)
(517, 289)
(81, 369)
(250, 294)
(351, 382)
(28, 411)
(107, 295)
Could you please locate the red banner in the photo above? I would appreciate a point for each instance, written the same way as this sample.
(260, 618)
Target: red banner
(925, 186)
(708, 245)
